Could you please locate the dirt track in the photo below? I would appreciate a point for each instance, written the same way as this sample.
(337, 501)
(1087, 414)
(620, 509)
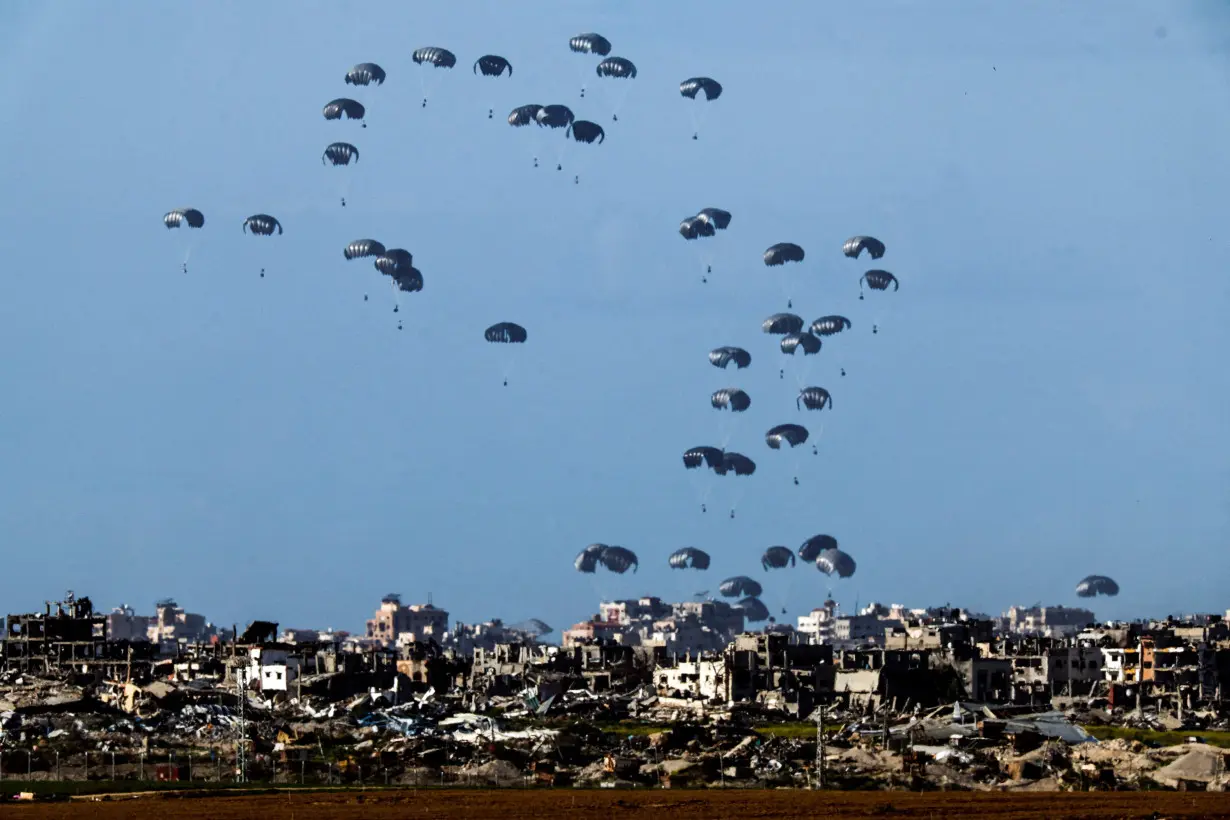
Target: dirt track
(673, 805)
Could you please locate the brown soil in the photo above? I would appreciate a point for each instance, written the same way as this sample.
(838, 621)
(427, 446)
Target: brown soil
(746, 804)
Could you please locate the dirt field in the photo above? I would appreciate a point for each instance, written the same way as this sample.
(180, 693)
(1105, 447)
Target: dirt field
(673, 805)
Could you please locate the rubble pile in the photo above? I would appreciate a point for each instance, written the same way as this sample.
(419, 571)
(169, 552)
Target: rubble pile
(944, 705)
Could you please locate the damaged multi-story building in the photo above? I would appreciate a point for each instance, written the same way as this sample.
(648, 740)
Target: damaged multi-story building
(678, 628)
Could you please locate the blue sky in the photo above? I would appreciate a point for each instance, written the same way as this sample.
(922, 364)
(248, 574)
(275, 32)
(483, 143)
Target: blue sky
(1045, 399)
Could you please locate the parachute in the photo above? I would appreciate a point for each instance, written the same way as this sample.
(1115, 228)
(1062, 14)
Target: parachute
(586, 131)
(878, 280)
(533, 626)
(792, 434)
(835, 561)
(777, 558)
(590, 43)
(619, 559)
(754, 609)
(1094, 585)
(555, 116)
(739, 586)
(184, 216)
(828, 325)
(352, 109)
(588, 558)
(711, 457)
(812, 547)
(694, 228)
(340, 153)
(616, 67)
(814, 398)
(722, 356)
(782, 323)
(857, 244)
(808, 343)
(438, 57)
(731, 397)
(524, 115)
(262, 224)
(689, 558)
(736, 463)
(506, 333)
(398, 263)
(783, 252)
(365, 74)
(715, 216)
(363, 247)
(711, 88)
(492, 65)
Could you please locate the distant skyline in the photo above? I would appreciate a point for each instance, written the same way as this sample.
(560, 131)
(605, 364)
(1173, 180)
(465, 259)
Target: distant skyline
(1045, 398)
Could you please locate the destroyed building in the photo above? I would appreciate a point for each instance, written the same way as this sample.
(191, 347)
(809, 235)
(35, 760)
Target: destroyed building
(1046, 621)
(679, 628)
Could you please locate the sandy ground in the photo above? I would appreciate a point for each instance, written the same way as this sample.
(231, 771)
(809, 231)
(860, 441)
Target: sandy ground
(508, 804)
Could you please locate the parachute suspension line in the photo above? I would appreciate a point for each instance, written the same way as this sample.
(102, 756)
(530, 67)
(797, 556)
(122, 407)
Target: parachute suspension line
(618, 96)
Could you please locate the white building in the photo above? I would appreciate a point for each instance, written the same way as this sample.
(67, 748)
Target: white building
(273, 669)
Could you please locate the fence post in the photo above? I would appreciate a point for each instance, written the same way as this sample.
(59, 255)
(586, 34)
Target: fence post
(141, 765)
(87, 765)
(113, 767)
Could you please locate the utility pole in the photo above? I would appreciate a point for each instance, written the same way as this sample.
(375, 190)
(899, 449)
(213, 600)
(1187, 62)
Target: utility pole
(820, 716)
(242, 677)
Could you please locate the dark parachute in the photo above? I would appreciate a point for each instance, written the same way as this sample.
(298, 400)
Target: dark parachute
(586, 131)
(438, 57)
(492, 65)
(365, 74)
(736, 463)
(835, 561)
(398, 263)
(828, 325)
(812, 547)
(732, 397)
(590, 43)
(524, 115)
(777, 558)
(722, 356)
(352, 109)
(184, 216)
(616, 67)
(694, 228)
(739, 586)
(783, 252)
(857, 244)
(393, 261)
(689, 558)
(754, 609)
(588, 558)
(340, 153)
(692, 86)
(878, 280)
(619, 559)
(780, 324)
(792, 434)
(806, 342)
(363, 247)
(555, 116)
(1094, 585)
(709, 456)
(262, 224)
(814, 398)
(715, 216)
(506, 333)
